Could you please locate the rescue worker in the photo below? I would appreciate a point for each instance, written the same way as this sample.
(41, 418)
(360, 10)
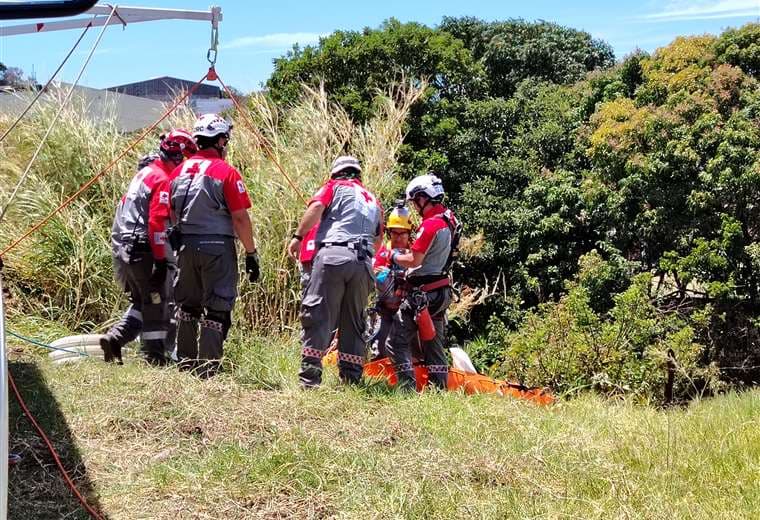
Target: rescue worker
(350, 230)
(389, 276)
(138, 240)
(427, 262)
(210, 204)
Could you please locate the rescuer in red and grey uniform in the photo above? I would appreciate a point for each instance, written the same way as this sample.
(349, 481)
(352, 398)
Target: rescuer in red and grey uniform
(210, 204)
(427, 277)
(350, 229)
(138, 240)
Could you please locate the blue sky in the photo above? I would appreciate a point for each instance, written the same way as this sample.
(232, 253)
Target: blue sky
(254, 32)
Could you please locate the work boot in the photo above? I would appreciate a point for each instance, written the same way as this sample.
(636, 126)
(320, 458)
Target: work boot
(111, 350)
(187, 364)
(156, 360)
(206, 369)
(310, 375)
(152, 352)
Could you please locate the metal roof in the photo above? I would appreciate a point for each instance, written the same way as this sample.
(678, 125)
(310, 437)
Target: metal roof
(130, 112)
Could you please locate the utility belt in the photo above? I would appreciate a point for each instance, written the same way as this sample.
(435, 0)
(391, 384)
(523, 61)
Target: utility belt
(134, 238)
(416, 289)
(361, 247)
(428, 283)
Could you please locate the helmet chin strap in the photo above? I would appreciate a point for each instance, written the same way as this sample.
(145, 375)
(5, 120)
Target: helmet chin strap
(422, 207)
(222, 149)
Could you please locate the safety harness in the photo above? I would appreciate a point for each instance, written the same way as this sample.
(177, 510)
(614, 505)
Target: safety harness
(455, 228)
(437, 281)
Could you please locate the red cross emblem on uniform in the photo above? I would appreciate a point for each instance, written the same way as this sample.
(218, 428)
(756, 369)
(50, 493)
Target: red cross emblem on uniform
(194, 168)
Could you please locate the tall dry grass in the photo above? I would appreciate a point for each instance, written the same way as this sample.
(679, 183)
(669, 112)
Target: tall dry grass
(63, 272)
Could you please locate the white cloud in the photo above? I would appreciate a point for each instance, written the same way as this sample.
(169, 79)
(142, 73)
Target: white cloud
(705, 10)
(273, 41)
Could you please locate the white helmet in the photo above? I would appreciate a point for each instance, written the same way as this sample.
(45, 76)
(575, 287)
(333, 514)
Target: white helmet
(429, 185)
(211, 125)
(343, 163)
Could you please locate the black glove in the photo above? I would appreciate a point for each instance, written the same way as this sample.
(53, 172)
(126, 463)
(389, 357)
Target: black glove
(158, 276)
(252, 266)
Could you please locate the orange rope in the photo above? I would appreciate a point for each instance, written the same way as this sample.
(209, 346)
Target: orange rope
(265, 144)
(104, 170)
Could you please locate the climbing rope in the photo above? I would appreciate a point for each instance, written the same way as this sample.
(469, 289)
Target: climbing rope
(47, 85)
(57, 115)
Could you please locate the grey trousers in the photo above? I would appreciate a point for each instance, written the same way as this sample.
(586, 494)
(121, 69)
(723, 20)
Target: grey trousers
(149, 320)
(404, 335)
(336, 296)
(305, 270)
(205, 293)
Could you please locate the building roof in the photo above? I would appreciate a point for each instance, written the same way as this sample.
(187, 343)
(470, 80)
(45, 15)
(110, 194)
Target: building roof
(166, 86)
(130, 112)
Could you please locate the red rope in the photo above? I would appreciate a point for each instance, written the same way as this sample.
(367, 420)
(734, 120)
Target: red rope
(69, 482)
(265, 144)
(104, 170)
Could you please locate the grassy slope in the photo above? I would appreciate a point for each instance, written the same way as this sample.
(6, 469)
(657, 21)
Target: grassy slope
(158, 444)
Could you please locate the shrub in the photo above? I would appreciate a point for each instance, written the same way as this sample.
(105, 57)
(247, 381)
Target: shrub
(568, 346)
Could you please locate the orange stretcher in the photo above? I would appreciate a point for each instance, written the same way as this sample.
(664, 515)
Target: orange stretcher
(470, 383)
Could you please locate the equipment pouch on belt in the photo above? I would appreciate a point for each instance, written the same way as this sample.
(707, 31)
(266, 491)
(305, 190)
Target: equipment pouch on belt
(174, 237)
(134, 249)
(361, 253)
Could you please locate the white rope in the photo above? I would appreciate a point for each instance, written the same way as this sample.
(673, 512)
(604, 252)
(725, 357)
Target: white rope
(57, 115)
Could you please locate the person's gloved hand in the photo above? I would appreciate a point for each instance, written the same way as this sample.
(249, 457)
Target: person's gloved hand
(158, 276)
(252, 266)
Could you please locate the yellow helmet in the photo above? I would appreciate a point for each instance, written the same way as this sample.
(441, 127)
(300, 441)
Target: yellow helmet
(399, 219)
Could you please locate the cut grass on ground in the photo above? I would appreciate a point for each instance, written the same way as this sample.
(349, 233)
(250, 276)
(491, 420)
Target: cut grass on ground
(158, 444)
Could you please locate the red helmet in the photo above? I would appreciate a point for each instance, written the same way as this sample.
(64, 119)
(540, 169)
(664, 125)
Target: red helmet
(177, 143)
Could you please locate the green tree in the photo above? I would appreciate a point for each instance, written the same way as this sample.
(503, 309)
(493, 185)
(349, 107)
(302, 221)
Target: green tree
(356, 66)
(515, 50)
